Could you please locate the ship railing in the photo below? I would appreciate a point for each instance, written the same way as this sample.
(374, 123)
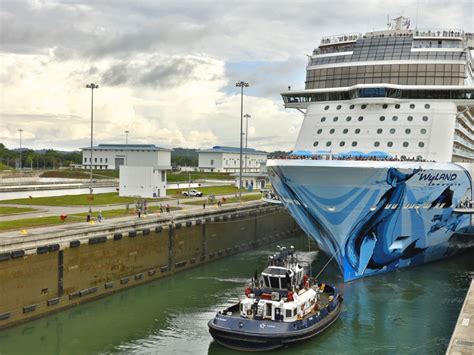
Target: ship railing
(463, 153)
(347, 37)
(459, 126)
(439, 33)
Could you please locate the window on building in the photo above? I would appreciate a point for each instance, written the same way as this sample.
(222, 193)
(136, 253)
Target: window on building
(101, 160)
(95, 160)
(212, 161)
(163, 175)
(106, 160)
(85, 160)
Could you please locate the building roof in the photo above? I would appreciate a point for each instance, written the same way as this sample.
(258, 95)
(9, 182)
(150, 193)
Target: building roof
(148, 147)
(224, 149)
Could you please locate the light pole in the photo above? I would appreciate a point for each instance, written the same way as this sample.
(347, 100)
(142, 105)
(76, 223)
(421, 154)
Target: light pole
(126, 144)
(21, 131)
(91, 86)
(247, 116)
(241, 85)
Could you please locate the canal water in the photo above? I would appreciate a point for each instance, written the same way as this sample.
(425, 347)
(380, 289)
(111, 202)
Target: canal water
(404, 312)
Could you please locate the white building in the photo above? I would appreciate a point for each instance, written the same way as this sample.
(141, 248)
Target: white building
(111, 156)
(227, 159)
(142, 181)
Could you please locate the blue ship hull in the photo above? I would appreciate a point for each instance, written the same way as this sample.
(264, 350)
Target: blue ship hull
(374, 217)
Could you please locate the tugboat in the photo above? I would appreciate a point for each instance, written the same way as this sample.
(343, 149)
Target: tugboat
(282, 307)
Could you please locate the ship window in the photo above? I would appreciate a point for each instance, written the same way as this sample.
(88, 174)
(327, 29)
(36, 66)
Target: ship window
(274, 282)
(351, 107)
(283, 283)
(427, 106)
(335, 119)
(328, 144)
(380, 130)
(425, 118)
(326, 108)
(332, 130)
(323, 119)
(357, 131)
(376, 144)
(412, 106)
(395, 118)
(382, 118)
(363, 107)
(315, 144)
(348, 118)
(405, 144)
(354, 143)
(320, 131)
(392, 130)
(389, 144)
(423, 131)
(384, 106)
(410, 118)
(288, 313)
(342, 144)
(338, 107)
(408, 131)
(360, 118)
(397, 106)
(345, 130)
(421, 144)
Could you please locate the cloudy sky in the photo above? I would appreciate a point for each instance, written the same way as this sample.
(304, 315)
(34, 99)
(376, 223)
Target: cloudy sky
(167, 69)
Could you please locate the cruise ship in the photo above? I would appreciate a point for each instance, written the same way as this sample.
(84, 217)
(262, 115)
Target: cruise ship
(384, 159)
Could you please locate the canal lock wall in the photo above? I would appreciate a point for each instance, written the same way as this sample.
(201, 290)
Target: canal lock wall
(53, 272)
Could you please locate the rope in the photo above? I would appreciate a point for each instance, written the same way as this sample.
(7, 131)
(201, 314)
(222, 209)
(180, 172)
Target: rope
(332, 257)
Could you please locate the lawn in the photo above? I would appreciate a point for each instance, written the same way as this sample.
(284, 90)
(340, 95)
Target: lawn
(184, 177)
(6, 211)
(81, 174)
(246, 197)
(216, 190)
(26, 223)
(75, 200)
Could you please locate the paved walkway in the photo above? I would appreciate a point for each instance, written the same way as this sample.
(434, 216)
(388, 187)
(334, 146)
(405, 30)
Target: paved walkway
(462, 340)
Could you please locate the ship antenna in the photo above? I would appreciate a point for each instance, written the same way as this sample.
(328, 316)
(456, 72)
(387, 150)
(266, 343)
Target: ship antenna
(388, 21)
(416, 19)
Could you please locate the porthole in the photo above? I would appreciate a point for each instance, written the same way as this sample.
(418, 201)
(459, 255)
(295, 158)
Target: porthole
(323, 119)
(315, 144)
(425, 118)
(389, 144)
(357, 131)
(405, 144)
(376, 144)
(360, 118)
(384, 106)
(419, 157)
(397, 106)
(342, 144)
(427, 106)
(408, 131)
(326, 108)
(320, 131)
(338, 107)
(421, 144)
(412, 106)
(328, 144)
(382, 118)
(410, 118)
(348, 118)
(395, 118)
(345, 130)
(332, 130)
(335, 119)
(392, 130)
(363, 107)
(351, 107)
(379, 131)
(354, 144)
(423, 131)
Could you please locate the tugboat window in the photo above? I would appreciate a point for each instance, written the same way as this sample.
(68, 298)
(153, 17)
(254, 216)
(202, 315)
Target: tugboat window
(274, 282)
(288, 313)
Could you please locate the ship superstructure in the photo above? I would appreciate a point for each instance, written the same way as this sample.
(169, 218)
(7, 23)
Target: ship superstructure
(386, 149)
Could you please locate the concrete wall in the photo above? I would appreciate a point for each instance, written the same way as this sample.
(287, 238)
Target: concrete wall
(142, 181)
(83, 266)
(105, 158)
(229, 162)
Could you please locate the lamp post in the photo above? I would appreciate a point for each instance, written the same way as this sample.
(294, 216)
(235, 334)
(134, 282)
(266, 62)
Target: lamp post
(126, 144)
(247, 116)
(91, 86)
(21, 131)
(241, 85)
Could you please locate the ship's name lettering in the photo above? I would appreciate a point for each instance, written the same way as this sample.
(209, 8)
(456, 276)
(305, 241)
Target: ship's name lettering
(438, 177)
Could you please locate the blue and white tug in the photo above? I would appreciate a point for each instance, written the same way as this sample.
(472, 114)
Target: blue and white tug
(282, 307)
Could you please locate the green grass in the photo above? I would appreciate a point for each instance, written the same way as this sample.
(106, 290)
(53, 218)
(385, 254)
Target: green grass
(5, 211)
(81, 174)
(184, 177)
(245, 198)
(216, 190)
(75, 200)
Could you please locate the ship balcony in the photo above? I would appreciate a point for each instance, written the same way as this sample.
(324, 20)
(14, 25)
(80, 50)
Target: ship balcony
(469, 145)
(463, 153)
(340, 39)
(463, 129)
(439, 33)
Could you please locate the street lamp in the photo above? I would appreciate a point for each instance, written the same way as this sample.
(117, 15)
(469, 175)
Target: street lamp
(241, 85)
(126, 144)
(21, 131)
(247, 116)
(91, 86)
